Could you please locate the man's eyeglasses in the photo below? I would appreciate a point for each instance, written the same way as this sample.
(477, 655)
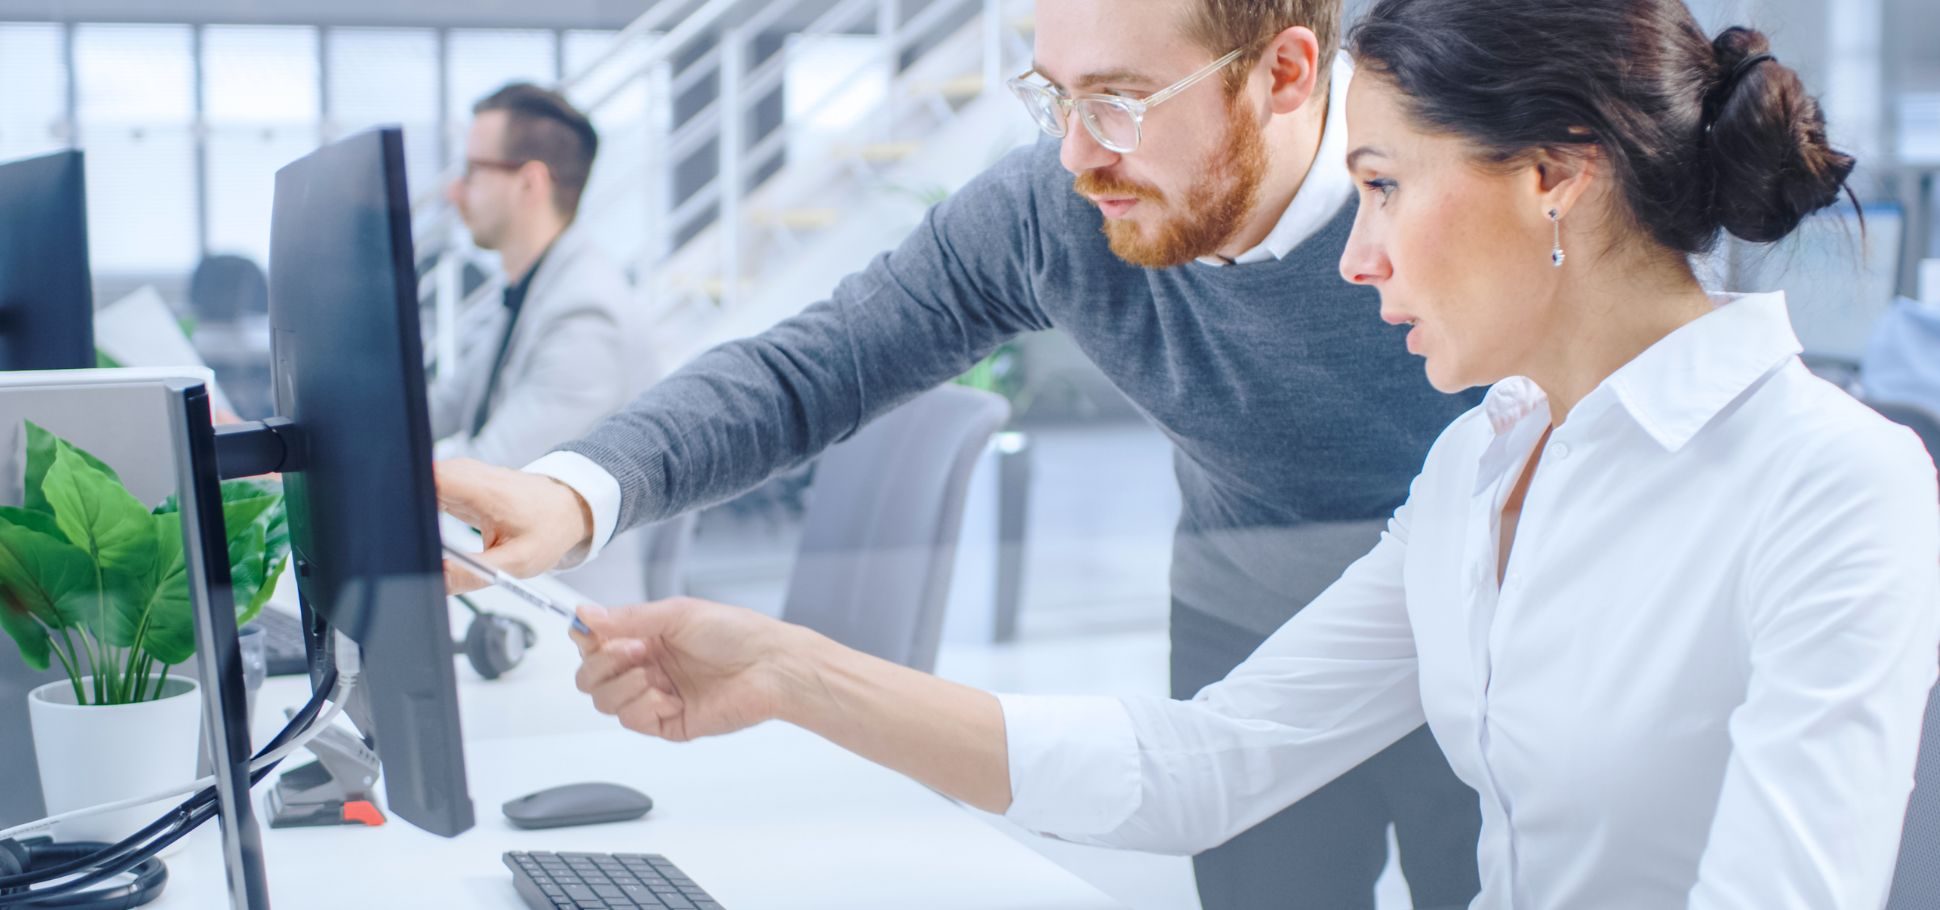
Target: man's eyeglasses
(1115, 121)
(474, 165)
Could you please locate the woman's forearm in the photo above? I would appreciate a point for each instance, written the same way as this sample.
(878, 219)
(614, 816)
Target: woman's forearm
(945, 735)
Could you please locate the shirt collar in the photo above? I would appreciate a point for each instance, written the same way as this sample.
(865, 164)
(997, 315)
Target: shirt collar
(1676, 386)
(515, 293)
(1326, 188)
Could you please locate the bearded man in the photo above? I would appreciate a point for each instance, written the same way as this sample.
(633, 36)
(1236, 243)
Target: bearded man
(1183, 224)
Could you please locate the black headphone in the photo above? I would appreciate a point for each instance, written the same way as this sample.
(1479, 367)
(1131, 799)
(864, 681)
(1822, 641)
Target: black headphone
(17, 857)
(493, 643)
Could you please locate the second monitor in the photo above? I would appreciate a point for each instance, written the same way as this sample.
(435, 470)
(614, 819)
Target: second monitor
(46, 298)
(352, 436)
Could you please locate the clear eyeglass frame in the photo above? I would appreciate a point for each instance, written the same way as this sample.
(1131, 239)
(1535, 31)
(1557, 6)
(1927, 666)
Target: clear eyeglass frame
(1117, 122)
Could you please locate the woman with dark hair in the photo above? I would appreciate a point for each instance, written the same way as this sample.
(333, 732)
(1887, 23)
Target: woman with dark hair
(1667, 600)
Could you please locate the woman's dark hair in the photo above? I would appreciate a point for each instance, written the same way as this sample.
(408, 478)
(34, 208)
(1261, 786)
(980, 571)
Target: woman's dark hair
(1701, 134)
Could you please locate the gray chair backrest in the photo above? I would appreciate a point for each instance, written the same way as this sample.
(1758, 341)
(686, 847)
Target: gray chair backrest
(1916, 881)
(1917, 418)
(879, 537)
(225, 288)
(665, 554)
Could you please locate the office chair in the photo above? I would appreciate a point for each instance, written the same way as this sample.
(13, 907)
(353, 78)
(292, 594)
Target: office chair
(1917, 418)
(879, 537)
(224, 289)
(1838, 370)
(1916, 880)
(229, 298)
(664, 548)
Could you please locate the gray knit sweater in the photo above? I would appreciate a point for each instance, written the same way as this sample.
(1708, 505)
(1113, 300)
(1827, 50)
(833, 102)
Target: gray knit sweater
(1288, 399)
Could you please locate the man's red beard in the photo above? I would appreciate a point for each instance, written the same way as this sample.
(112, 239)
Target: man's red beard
(1214, 208)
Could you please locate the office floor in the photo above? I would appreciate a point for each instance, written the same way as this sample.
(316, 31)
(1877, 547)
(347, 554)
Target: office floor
(1092, 620)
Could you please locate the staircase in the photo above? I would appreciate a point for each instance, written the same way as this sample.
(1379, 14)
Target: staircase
(726, 225)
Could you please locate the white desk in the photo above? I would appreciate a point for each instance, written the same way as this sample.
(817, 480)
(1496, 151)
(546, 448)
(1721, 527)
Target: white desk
(773, 817)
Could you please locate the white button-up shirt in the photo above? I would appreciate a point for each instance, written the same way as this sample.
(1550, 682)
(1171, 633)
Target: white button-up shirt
(1701, 683)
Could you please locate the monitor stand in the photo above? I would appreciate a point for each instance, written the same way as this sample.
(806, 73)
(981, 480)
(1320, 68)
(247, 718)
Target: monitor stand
(205, 551)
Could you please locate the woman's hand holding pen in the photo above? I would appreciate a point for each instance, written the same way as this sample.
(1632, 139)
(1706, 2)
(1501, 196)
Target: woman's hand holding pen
(682, 669)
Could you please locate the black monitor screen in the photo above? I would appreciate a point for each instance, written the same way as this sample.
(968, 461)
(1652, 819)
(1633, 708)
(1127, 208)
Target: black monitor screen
(46, 302)
(349, 373)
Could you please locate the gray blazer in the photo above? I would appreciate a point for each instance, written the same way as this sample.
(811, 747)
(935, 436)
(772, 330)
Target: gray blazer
(576, 355)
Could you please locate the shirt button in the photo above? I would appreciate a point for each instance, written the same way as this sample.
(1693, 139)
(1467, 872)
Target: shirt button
(1561, 450)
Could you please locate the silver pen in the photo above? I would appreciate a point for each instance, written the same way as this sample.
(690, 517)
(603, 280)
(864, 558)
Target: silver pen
(504, 579)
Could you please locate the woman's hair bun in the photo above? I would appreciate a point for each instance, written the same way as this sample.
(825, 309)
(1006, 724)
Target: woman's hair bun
(1766, 142)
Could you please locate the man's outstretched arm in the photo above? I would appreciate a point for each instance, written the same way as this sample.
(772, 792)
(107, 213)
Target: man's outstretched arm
(916, 317)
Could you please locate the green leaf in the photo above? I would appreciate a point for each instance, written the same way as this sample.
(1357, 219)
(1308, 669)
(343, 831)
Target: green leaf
(24, 630)
(258, 508)
(103, 360)
(115, 530)
(276, 537)
(268, 590)
(250, 488)
(246, 488)
(248, 503)
(246, 567)
(171, 616)
(42, 446)
(32, 520)
(39, 576)
(240, 514)
(41, 570)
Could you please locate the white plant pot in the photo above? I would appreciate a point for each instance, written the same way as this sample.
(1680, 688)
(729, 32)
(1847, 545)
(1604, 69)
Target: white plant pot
(94, 754)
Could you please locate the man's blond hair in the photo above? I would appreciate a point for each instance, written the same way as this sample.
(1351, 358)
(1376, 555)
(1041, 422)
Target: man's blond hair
(1222, 25)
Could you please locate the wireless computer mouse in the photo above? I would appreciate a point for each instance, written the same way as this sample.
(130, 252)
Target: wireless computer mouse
(577, 804)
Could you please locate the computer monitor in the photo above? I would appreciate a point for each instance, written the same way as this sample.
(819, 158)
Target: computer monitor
(352, 437)
(46, 295)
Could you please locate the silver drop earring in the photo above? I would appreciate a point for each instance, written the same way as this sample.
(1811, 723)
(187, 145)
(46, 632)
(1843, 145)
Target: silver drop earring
(1556, 252)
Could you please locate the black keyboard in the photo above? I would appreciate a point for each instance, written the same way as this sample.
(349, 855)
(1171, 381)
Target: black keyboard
(282, 642)
(598, 881)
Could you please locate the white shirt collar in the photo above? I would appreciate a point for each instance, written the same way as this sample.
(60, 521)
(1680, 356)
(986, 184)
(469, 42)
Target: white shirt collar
(1327, 186)
(1679, 384)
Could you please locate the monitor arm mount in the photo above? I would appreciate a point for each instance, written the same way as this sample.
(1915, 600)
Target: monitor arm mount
(259, 447)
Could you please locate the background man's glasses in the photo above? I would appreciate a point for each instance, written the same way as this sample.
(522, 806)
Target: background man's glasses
(474, 165)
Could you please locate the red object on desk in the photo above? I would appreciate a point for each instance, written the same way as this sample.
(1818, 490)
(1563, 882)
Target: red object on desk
(362, 812)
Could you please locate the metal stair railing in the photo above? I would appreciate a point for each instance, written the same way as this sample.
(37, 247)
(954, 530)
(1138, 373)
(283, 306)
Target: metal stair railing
(714, 213)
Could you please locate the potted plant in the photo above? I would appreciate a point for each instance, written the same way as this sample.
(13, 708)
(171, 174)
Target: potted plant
(93, 579)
